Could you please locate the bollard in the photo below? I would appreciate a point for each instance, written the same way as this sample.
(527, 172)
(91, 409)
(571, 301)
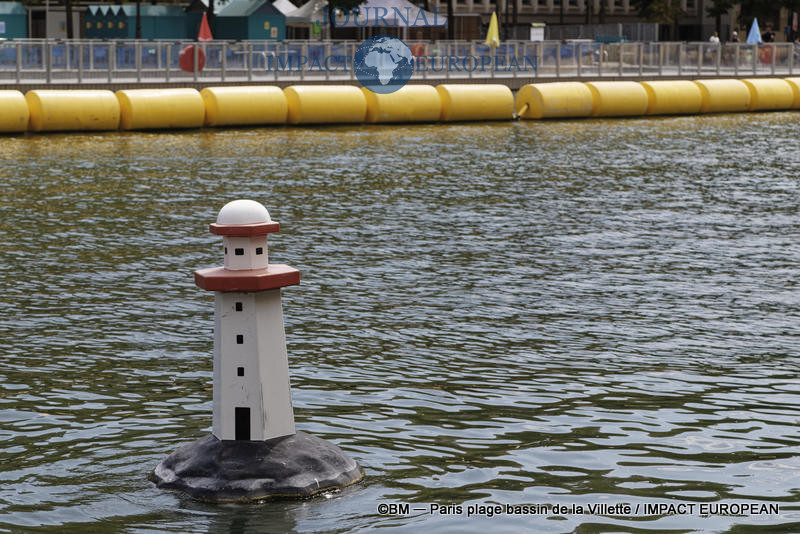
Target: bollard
(253, 452)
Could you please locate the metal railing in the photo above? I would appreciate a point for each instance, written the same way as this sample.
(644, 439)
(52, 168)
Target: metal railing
(125, 61)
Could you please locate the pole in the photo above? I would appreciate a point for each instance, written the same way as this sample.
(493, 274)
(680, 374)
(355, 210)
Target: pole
(515, 15)
(451, 30)
(68, 8)
(138, 19)
(504, 19)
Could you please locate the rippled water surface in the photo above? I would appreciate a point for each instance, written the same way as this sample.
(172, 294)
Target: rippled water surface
(564, 312)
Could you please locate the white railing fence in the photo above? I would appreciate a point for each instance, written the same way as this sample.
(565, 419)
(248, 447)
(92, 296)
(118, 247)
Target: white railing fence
(124, 61)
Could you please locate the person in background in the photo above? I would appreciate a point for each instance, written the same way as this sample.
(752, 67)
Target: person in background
(735, 37)
(768, 36)
(714, 38)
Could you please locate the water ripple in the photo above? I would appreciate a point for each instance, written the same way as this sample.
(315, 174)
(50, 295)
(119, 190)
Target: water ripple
(563, 312)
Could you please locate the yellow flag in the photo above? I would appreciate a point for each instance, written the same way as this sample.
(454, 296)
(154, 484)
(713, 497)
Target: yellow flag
(493, 36)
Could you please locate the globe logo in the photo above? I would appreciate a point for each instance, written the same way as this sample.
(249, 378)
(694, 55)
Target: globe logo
(383, 64)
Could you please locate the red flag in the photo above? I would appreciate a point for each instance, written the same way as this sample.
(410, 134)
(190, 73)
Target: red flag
(205, 32)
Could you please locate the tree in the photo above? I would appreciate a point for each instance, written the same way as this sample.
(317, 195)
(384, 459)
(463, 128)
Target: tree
(661, 11)
(343, 4)
(766, 11)
(719, 8)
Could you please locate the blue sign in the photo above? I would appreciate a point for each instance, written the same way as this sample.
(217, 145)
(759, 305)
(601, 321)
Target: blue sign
(383, 64)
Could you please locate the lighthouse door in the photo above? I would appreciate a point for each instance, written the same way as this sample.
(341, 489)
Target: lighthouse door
(242, 429)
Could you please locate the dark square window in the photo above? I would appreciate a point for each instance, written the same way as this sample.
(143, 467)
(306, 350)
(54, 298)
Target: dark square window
(259, 251)
(239, 251)
(240, 371)
(238, 306)
(239, 339)
(226, 250)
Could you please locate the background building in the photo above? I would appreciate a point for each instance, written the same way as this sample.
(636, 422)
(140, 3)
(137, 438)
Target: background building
(13, 20)
(695, 20)
(688, 20)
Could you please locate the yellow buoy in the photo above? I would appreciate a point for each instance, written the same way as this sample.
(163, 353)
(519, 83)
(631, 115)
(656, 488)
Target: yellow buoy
(14, 115)
(795, 83)
(412, 103)
(79, 110)
(144, 109)
(769, 93)
(244, 105)
(618, 99)
(673, 97)
(476, 102)
(325, 104)
(720, 96)
(552, 100)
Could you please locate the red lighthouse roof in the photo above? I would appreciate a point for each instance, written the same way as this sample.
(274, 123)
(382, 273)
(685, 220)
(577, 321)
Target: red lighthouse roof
(221, 279)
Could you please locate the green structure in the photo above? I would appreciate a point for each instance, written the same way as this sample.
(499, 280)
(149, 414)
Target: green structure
(104, 22)
(13, 21)
(250, 19)
(158, 22)
(119, 22)
(91, 19)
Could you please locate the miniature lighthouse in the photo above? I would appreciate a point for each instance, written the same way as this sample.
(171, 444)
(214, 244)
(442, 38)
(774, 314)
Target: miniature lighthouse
(253, 452)
(252, 399)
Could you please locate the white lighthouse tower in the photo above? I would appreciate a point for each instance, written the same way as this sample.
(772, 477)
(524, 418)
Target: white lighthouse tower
(252, 399)
(253, 452)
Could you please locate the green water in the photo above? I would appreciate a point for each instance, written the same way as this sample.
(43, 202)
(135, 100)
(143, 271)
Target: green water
(565, 313)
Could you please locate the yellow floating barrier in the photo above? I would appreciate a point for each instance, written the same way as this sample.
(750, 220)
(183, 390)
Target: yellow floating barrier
(673, 97)
(412, 103)
(720, 96)
(618, 99)
(554, 100)
(144, 109)
(322, 104)
(226, 106)
(476, 102)
(14, 115)
(795, 83)
(769, 93)
(80, 110)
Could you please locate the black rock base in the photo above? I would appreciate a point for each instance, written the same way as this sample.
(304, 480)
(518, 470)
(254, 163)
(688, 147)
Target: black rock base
(295, 466)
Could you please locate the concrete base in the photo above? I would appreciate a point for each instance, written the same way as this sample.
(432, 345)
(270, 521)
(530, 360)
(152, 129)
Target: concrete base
(295, 466)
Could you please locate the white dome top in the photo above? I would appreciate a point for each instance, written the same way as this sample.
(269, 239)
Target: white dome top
(243, 212)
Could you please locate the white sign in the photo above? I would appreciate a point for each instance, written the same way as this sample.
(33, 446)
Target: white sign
(2, 26)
